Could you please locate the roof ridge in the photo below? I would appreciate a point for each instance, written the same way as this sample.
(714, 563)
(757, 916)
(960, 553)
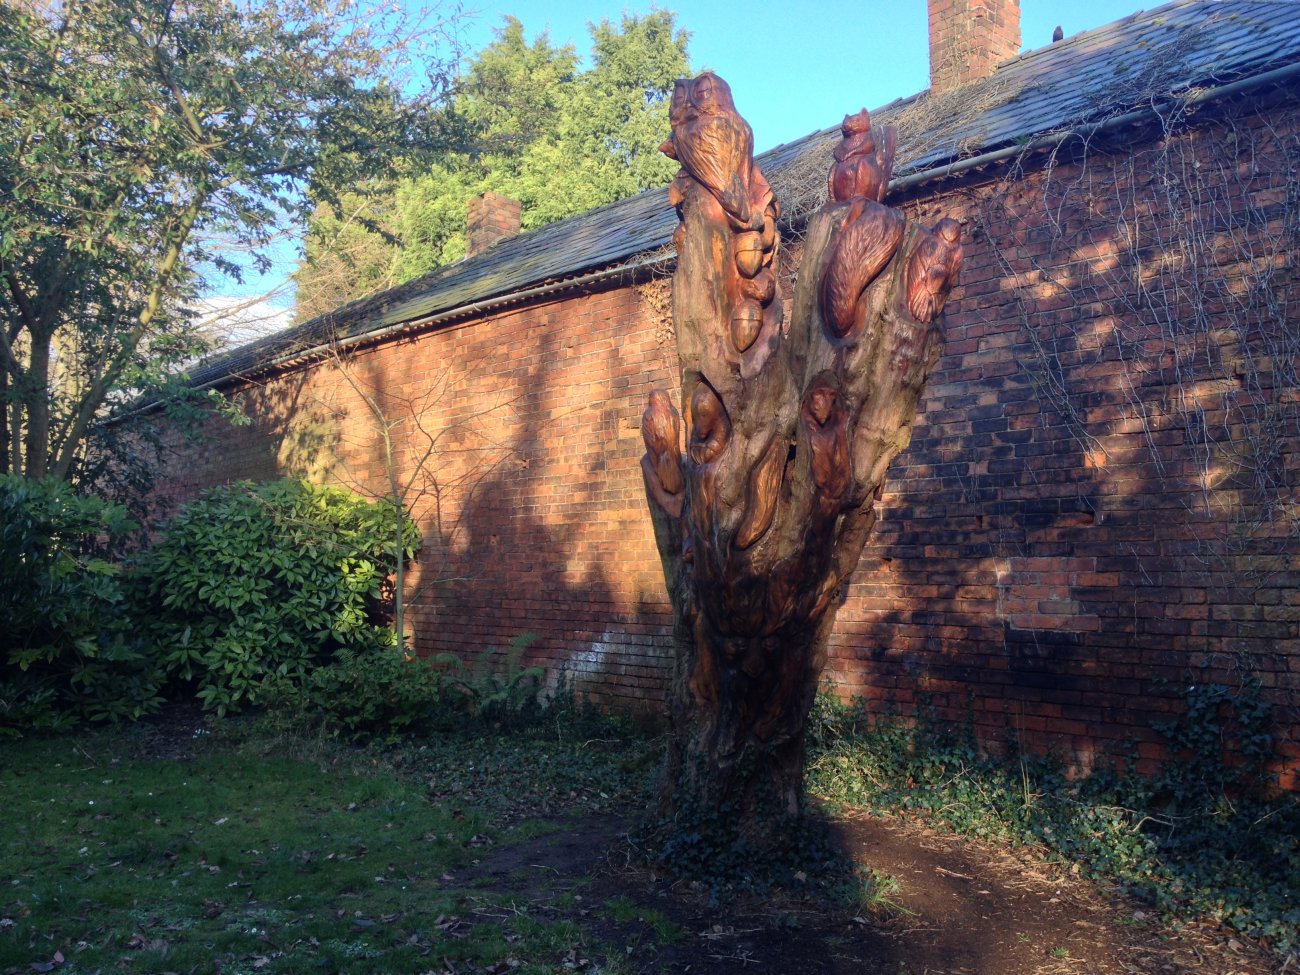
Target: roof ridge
(1088, 34)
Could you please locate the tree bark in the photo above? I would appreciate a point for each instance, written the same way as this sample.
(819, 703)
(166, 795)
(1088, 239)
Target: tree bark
(35, 397)
(789, 431)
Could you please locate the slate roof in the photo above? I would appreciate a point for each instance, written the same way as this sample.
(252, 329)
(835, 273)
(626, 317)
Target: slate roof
(1173, 49)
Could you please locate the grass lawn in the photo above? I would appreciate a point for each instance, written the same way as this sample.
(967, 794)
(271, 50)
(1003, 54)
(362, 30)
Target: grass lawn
(242, 858)
(150, 849)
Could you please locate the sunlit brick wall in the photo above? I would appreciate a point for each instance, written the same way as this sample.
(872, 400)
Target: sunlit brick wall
(1076, 536)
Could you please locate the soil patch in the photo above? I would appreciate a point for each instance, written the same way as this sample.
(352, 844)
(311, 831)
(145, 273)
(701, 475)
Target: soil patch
(960, 908)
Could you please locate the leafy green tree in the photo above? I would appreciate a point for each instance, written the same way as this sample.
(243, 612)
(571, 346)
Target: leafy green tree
(138, 138)
(559, 139)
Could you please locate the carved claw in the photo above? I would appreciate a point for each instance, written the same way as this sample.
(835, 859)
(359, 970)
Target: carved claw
(762, 287)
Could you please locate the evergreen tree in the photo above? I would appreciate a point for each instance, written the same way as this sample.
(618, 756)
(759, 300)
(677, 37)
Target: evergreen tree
(537, 128)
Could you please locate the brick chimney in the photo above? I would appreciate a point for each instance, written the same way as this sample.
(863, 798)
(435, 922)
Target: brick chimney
(968, 38)
(492, 218)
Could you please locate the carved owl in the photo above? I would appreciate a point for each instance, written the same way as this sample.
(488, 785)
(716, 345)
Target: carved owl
(932, 270)
(714, 144)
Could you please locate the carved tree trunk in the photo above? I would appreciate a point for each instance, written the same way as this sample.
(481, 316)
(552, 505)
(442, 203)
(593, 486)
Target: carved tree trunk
(762, 517)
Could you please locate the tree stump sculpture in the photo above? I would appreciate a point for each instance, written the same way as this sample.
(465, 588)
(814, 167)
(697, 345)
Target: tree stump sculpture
(761, 515)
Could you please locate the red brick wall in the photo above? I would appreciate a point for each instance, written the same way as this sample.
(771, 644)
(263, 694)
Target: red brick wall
(530, 500)
(969, 38)
(1099, 508)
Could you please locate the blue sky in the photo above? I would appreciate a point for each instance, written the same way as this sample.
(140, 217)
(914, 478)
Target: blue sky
(794, 67)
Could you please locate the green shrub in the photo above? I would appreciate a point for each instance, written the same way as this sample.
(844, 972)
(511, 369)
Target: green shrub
(66, 647)
(382, 693)
(254, 584)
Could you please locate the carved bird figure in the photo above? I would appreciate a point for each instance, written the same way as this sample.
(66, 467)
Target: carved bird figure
(714, 144)
(864, 159)
(932, 270)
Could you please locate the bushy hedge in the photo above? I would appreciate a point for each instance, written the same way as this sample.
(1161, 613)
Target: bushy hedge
(252, 585)
(382, 694)
(274, 596)
(67, 644)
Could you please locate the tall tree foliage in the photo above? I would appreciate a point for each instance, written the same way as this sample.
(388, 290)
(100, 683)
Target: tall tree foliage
(140, 137)
(538, 128)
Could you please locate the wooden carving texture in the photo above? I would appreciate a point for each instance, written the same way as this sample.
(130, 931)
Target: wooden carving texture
(762, 508)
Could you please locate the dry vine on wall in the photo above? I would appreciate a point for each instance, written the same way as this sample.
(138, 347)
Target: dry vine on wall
(1154, 288)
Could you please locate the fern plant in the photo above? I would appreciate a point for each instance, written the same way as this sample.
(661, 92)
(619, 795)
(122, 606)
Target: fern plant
(492, 691)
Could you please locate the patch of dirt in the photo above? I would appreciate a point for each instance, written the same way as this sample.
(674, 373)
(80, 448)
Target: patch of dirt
(961, 908)
(176, 733)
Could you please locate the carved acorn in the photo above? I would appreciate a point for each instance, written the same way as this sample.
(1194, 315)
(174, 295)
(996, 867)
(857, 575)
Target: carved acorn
(747, 248)
(746, 323)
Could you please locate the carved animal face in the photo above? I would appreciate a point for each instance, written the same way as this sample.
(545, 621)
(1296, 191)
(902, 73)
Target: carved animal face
(821, 401)
(855, 124)
(710, 95)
